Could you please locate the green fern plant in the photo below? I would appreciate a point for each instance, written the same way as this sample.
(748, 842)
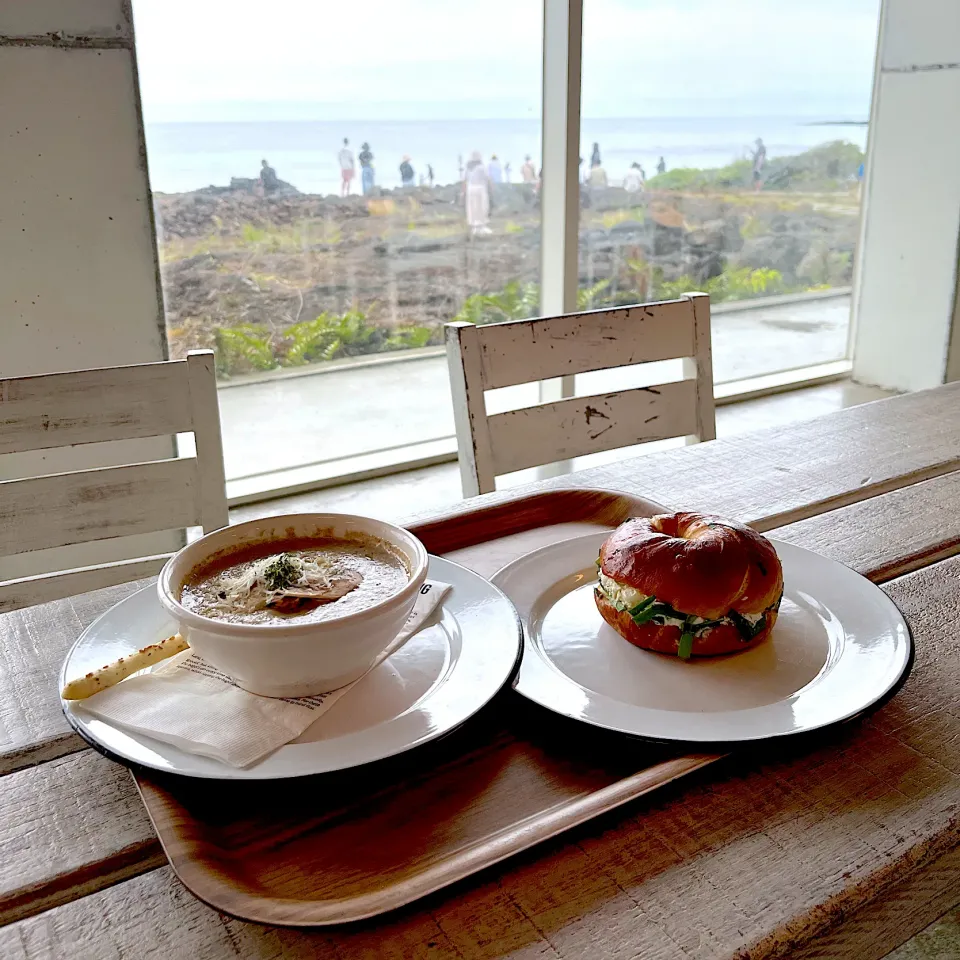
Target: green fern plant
(328, 336)
(242, 349)
(409, 338)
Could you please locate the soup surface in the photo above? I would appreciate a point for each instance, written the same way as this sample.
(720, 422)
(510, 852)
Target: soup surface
(311, 579)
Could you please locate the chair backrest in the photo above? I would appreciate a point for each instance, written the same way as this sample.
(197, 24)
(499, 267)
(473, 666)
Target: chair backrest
(91, 406)
(496, 355)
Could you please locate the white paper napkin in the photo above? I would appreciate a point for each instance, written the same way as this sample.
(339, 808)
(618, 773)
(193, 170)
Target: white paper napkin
(190, 704)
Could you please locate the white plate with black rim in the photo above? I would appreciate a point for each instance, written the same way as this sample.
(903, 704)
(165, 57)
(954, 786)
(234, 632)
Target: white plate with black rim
(435, 682)
(839, 647)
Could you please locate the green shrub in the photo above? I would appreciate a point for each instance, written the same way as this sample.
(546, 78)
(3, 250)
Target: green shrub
(410, 338)
(243, 349)
(741, 284)
(515, 301)
(329, 336)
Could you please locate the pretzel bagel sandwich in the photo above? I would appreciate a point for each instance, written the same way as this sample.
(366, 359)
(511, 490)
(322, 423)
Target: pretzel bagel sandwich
(689, 584)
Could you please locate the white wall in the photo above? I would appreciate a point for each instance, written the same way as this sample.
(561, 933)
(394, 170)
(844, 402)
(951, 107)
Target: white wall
(907, 282)
(78, 271)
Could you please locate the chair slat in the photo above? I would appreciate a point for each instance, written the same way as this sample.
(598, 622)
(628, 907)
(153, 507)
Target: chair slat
(513, 353)
(57, 510)
(90, 406)
(27, 591)
(582, 425)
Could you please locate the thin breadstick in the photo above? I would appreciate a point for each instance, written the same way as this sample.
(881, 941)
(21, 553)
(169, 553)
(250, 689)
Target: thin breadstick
(120, 669)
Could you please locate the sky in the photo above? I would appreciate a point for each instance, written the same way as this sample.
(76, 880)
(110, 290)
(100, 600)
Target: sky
(206, 60)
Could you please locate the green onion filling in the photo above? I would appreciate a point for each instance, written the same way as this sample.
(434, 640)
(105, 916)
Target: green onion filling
(651, 610)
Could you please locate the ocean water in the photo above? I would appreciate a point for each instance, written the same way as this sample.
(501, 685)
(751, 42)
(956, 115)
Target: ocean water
(187, 156)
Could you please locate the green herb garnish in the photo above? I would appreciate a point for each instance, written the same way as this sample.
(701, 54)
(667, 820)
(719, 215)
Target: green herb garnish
(685, 649)
(747, 630)
(282, 573)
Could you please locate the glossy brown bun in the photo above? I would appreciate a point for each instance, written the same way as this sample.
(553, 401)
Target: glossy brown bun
(666, 639)
(698, 563)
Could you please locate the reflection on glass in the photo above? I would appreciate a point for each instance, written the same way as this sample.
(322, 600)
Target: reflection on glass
(722, 145)
(331, 190)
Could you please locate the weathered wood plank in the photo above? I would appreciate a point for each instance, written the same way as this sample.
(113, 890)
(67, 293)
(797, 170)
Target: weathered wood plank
(27, 591)
(779, 848)
(86, 505)
(889, 535)
(70, 827)
(582, 425)
(88, 406)
(878, 538)
(579, 342)
(33, 642)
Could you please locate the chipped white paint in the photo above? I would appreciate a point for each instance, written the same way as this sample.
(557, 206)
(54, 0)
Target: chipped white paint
(92, 406)
(503, 354)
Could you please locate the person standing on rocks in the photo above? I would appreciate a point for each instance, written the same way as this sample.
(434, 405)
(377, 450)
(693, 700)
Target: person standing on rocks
(406, 171)
(759, 161)
(527, 172)
(476, 194)
(366, 168)
(268, 178)
(347, 167)
(493, 170)
(633, 179)
(429, 175)
(661, 166)
(595, 156)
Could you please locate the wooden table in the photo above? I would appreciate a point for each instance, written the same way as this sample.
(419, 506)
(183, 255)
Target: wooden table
(842, 848)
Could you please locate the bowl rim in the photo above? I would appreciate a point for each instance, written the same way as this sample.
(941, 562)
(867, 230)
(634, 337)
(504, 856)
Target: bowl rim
(409, 544)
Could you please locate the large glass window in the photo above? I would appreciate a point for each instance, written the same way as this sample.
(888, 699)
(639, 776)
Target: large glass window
(331, 186)
(723, 149)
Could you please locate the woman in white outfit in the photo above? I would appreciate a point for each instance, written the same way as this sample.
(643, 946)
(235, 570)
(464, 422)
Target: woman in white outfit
(476, 184)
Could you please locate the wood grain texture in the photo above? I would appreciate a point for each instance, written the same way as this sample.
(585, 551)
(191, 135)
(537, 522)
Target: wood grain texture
(89, 406)
(86, 505)
(813, 467)
(934, 440)
(469, 408)
(892, 917)
(27, 591)
(205, 409)
(33, 642)
(774, 477)
(521, 351)
(889, 535)
(544, 348)
(702, 374)
(579, 426)
(103, 503)
(910, 525)
(55, 819)
(778, 849)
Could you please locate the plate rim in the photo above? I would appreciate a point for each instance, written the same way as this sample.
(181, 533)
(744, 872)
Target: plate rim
(231, 774)
(874, 704)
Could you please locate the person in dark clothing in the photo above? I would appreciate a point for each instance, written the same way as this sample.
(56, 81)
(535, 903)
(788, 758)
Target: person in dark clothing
(268, 178)
(661, 166)
(430, 174)
(366, 168)
(406, 171)
(595, 156)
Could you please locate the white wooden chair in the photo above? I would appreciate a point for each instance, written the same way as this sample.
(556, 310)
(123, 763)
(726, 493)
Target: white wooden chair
(90, 406)
(483, 358)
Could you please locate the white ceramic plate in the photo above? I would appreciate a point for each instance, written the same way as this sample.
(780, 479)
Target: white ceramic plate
(437, 680)
(838, 647)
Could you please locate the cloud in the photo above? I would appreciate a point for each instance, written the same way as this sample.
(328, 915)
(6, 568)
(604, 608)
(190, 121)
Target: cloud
(425, 58)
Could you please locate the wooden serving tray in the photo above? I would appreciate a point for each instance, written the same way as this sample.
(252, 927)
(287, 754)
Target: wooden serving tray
(340, 847)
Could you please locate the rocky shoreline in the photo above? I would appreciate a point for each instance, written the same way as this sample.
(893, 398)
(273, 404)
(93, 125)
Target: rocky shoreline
(232, 260)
